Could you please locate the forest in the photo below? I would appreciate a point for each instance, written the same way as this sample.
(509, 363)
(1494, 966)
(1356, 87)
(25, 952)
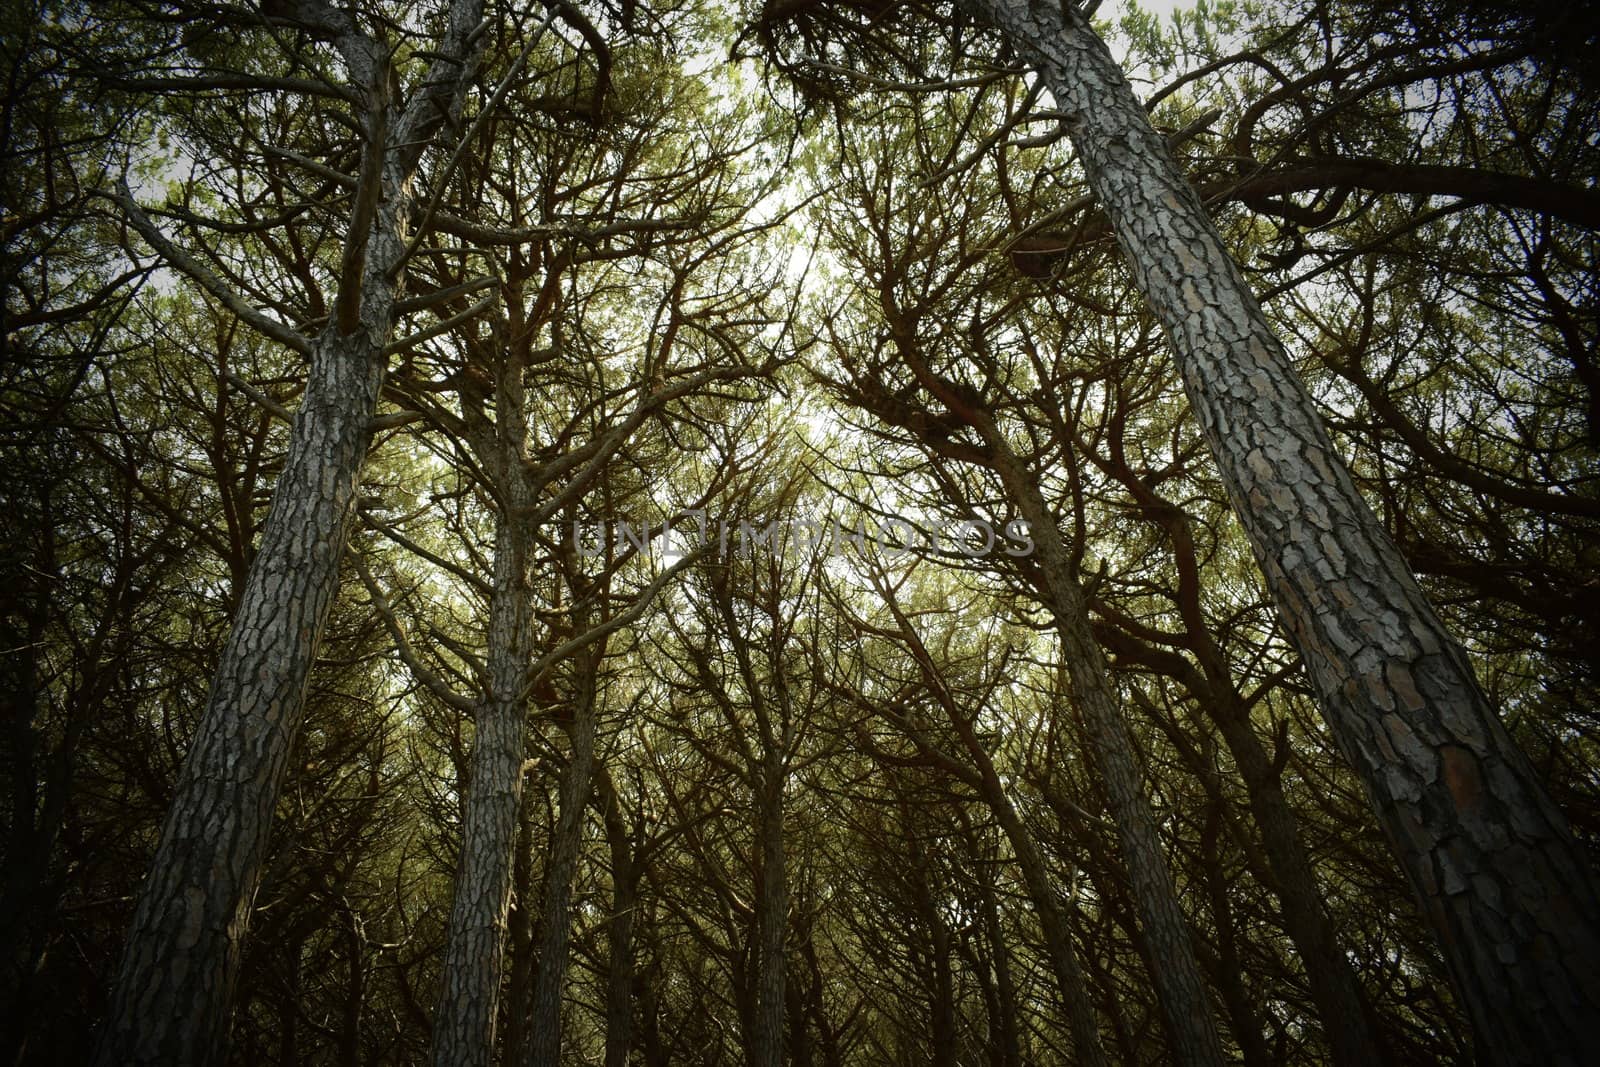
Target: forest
(973, 533)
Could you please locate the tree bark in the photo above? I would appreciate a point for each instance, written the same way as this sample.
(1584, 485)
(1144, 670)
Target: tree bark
(185, 944)
(355, 989)
(181, 963)
(1186, 1005)
(1346, 1015)
(469, 989)
(1491, 860)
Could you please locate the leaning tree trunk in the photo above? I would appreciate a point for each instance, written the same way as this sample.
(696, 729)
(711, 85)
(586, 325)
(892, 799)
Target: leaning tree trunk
(1350, 1024)
(1492, 861)
(1186, 1005)
(180, 966)
(182, 958)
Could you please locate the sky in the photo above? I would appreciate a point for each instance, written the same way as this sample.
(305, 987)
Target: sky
(1110, 13)
(1113, 9)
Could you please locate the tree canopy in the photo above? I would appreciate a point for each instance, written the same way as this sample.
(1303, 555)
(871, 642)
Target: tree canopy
(821, 532)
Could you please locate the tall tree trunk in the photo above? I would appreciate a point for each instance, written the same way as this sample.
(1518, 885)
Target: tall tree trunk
(1493, 863)
(942, 997)
(979, 772)
(1350, 1024)
(519, 936)
(185, 944)
(555, 921)
(656, 1054)
(1352, 1033)
(181, 963)
(469, 989)
(1186, 1005)
(1064, 964)
(355, 990)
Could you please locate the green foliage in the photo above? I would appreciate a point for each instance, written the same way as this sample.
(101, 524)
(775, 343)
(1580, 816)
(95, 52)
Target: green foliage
(721, 281)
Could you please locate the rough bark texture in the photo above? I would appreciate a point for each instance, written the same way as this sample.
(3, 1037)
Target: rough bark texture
(1493, 863)
(469, 989)
(184, 947)
(464, 1023)
(1186, 1005)
(1346, 1015)
(173, 994)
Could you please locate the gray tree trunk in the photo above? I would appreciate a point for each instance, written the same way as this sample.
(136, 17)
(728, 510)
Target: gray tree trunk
(1492, 861)
(1346, 1015)
(475, 941)
(173, 994)
(469, 989)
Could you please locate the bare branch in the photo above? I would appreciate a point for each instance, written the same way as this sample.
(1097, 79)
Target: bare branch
(203, 276)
